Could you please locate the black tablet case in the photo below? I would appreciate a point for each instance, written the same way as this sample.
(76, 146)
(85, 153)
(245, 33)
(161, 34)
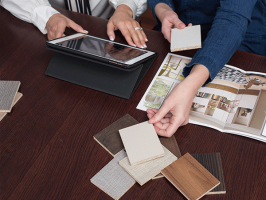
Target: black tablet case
(96, 75)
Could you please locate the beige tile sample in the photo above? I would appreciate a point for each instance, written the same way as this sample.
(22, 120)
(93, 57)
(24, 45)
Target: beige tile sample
(141, 143)
(17, 97)
(184, 39)
(8, 91)
(190, 177)
(143, 172)
(113, 179)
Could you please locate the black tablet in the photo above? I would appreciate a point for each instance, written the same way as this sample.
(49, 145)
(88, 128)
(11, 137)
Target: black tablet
(91, 47)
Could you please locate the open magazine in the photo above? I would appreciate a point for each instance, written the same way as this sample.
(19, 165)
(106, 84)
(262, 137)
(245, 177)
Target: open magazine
(234, 102)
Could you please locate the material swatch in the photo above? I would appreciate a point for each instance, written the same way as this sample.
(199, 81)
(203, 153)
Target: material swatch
(8, 91)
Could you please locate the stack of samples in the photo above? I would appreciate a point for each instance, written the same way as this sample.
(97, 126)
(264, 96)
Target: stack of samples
(9, 96)
(140, 155)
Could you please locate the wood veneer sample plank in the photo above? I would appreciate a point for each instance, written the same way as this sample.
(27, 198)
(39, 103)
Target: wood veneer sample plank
(190, 177)
(143, 172)
(113, 179)
(109, 137)
(184, 39)
(17, 97)
(8, 91)
(212, 162)
(141, 143)
(171, 145)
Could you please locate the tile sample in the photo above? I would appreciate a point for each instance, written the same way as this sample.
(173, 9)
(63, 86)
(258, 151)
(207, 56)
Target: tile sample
(113, 179)
(109, 138)
(141, 143)
(171, 145)
(8, 91)
(143, 172)
(184, 39)
(212, 162)
(17, 97)
(190, 177)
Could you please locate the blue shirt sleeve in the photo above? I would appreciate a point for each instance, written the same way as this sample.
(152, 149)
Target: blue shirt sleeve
(224, 38)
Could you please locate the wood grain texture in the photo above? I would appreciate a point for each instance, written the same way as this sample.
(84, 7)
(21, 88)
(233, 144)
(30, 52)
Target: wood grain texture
(113, 179)
(143, 172)
(17, 97)
(190, 177)
(141, 143)
(8, 91)
(212, 162)
(47, 148)
(109, 138)
(171, 145)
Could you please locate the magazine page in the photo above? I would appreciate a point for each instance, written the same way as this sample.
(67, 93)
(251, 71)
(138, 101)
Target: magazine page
(233, 102)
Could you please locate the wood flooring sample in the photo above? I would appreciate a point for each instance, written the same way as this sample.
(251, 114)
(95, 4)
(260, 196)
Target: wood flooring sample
(143, 172)
(171, 145)
(113, 179)
(141, 143)
(184, 39)
(212, 162)
(109, 137)
(190, 177)
(17, 97)
(8, 91)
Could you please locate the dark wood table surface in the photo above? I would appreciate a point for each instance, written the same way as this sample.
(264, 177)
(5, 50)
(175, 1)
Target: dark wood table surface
(47, 146)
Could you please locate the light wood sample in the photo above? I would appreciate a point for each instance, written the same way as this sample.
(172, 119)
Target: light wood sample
(190, 177)
(143, 172)
(113, 179)
(109, 138)
(171, 145)
(184, 39)
(17, 97)
(8, 91)
(212, 162)
(141, 143)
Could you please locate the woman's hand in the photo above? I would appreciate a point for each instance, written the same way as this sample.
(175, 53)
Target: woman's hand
(122, 20)
(175, 109)
(169, 20)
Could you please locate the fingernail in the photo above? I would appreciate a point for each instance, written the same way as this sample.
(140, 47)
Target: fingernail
(145, 45)
(134, 45)
(146, 39)
(152, 119)
(86, 31)
(111, 38)
(142, 47)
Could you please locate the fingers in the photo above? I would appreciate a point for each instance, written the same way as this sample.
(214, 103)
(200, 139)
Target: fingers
(160, 114)
(75, 26)
(110, 30)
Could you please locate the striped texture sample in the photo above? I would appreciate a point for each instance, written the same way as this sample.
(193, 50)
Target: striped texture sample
(190, 177)
(8, 90)
(143, 172)
(17, 97)
(109, 137)
(113, 179)
(212, 162)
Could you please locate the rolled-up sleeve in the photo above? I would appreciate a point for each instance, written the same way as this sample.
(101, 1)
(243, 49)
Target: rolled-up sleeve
(138, 7)
(36, 12)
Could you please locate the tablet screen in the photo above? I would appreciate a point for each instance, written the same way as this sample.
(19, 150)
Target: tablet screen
(102, 48)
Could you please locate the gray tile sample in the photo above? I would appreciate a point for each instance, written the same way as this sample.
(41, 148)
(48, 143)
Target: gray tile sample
(8, 91)
(113, 179)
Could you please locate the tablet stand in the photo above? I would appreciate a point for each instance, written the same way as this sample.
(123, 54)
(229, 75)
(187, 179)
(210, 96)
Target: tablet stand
(97, 76)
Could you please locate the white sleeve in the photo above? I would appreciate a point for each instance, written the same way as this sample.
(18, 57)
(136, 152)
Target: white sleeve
(138, 7)
(37, 12)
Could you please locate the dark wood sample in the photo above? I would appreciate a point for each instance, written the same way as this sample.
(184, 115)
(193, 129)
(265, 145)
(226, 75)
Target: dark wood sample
(47, 148)
(213, 163)
(109, 138)
(190, 177)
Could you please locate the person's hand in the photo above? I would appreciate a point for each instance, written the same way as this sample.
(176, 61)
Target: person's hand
(175, 109)
(123, 54)
(122, 20)
(169, 20)
(57, 24)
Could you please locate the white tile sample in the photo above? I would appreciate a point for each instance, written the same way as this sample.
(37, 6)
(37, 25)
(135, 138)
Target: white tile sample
(113, 179)
(184, 39)
(141, 143)
(8, 91)
(143, 172)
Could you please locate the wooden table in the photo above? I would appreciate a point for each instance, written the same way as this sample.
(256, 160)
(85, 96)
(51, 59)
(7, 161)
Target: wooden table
(47, 145)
